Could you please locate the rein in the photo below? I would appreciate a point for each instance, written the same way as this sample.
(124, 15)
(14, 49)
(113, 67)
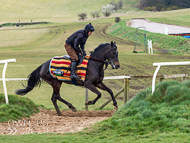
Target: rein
(103, 61)
(95, 59)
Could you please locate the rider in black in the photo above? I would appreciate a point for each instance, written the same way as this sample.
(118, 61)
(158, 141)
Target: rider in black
(72, 46)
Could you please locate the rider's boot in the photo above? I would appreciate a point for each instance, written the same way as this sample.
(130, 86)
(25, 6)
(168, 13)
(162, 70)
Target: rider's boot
(73, 67)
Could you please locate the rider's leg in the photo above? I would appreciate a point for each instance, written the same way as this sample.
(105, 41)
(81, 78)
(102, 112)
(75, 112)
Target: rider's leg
(73, 67)
(74, 59)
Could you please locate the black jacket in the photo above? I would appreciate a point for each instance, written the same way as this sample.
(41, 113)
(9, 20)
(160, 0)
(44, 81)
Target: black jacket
(76, 39)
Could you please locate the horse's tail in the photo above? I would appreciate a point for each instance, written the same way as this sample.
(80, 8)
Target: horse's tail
(33, 81)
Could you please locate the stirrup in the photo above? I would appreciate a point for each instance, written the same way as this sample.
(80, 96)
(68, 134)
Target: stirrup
(74, 76)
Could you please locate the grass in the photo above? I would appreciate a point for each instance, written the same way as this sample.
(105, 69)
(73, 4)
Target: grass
(17, 108)
(96, 138)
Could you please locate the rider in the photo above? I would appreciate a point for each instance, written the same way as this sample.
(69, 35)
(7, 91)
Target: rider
(72, 46)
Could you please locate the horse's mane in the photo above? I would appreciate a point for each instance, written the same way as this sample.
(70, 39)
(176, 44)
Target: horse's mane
(100, 47)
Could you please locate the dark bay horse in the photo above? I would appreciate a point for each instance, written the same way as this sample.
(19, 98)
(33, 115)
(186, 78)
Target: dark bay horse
(103, 54)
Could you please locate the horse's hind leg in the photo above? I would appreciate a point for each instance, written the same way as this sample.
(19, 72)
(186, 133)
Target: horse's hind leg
(56, 96)
(54, 100)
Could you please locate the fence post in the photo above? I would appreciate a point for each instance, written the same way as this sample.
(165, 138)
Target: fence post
(86, 98)
(4, 83)
(183, 79)
(3, 76)
(126, 90)
(166, 30)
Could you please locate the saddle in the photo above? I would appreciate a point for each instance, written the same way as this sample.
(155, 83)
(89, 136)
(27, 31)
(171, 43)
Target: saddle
(60, 67)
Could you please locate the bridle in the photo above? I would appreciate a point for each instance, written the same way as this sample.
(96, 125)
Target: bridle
(106, 63)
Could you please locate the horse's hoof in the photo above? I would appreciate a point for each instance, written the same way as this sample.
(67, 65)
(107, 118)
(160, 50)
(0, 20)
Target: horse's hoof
(74, 110)
(60, 114)
(115, 108)
(89, 103)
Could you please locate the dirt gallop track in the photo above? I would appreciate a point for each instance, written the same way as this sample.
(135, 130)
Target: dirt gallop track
(48, 121)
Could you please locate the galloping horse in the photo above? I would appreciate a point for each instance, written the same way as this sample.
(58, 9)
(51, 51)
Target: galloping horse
(104, 54)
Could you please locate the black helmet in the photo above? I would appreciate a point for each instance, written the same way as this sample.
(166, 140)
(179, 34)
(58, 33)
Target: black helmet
(89, 27)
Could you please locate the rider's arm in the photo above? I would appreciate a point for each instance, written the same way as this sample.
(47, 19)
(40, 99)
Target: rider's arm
(77, 42)
(82, 45)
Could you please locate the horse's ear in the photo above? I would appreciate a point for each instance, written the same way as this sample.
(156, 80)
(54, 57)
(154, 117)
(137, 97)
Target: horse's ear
(111, 43)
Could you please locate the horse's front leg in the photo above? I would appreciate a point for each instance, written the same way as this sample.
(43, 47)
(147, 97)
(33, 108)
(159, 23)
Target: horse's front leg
(104, 87)
(93, 88)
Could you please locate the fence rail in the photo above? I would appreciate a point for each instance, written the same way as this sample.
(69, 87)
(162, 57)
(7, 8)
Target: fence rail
(185, 63)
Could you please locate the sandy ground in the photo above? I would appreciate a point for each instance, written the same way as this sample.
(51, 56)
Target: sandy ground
(48, 121)
(158, 27)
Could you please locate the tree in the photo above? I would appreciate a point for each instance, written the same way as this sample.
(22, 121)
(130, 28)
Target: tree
(115, 5)
(108, 9)
(95, 14)
(82, 16)
(164, 4)
(117, 19)
(120, 4)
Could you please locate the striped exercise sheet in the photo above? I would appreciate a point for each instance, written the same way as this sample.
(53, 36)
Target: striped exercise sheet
(60, 68)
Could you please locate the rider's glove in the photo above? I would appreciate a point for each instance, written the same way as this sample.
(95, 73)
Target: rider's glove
(84, 53)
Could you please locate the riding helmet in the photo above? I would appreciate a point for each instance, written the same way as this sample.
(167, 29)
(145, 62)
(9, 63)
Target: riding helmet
(89, 27)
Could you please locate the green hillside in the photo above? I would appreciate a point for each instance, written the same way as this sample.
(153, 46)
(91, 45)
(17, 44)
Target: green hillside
(46, 10)
(52, 11)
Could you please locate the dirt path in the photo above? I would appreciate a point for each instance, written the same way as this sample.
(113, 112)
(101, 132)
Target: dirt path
(48, 121)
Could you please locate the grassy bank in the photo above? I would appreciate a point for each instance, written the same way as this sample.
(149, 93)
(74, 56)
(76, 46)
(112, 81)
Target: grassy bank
(175, 43)
(17, 108)
(166, 111)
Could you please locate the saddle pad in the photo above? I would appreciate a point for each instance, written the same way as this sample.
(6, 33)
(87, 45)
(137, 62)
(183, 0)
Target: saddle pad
(60, 68)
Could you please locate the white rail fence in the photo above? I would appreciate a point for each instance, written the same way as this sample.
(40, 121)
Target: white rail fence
(5, 62)
(185, 63)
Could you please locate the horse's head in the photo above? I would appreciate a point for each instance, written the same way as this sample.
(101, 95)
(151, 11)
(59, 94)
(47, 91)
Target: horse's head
(112, 56)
